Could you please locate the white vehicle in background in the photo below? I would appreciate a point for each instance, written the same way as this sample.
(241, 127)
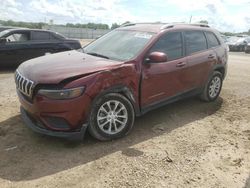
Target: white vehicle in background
(236, 43)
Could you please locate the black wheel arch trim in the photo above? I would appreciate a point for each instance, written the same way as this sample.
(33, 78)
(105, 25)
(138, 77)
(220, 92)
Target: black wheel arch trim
(125, 91)
(219, 67)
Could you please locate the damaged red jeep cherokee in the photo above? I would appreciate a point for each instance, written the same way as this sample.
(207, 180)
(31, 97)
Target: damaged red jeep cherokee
(127, 72)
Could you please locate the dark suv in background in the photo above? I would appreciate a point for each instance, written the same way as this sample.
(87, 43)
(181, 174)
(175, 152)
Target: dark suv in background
(19, 45)
(123, 74)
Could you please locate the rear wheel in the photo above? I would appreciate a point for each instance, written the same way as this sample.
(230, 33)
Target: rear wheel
(112, 116)
(212, 88)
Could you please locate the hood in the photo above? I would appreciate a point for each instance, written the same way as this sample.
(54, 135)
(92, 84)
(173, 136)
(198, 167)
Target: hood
(232, 43)
(54, 68)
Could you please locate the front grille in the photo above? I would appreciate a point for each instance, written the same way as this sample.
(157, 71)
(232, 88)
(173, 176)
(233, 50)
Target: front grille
(24, 85)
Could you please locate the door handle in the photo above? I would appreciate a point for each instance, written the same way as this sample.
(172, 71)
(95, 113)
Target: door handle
(211, 56)
(180, 64)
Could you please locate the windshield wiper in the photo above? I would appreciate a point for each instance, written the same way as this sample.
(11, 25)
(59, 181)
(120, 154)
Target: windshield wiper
(97, 55)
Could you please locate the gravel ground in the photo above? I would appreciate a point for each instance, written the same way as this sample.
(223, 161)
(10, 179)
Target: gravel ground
(185, 144)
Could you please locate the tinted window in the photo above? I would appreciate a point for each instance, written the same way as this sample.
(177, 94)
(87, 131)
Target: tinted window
(18, 37)
(58, 36)
(195, 41)
(171, 44)
(39, 35)
(212, 41)
(52, 37)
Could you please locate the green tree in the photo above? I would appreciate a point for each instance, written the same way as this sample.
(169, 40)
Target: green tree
(114, 26)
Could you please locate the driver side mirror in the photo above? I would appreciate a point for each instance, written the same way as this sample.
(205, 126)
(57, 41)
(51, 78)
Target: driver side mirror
(3, 40)
(157, 57)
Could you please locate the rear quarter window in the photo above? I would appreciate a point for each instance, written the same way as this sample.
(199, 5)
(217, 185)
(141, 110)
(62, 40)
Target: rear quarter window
(39, 35)
(212, 40)
(195, 41)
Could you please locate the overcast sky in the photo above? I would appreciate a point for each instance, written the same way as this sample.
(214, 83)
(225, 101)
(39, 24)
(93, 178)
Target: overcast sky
(225, 15)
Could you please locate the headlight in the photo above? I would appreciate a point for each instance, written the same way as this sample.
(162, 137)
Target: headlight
(62, 94)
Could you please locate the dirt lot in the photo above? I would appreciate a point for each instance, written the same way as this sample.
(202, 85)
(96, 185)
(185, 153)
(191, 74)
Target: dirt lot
(185, 144)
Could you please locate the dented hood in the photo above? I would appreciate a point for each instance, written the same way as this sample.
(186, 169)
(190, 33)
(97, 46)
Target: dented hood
(54, 68)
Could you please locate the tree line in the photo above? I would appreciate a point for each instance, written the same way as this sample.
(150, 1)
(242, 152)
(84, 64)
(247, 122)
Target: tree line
(39, 25)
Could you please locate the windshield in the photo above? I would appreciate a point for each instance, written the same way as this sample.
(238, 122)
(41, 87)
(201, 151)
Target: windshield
(119, 44)
(2, 33)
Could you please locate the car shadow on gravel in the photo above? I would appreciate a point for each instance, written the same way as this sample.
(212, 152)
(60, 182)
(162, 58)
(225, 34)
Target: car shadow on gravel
(247, 185)
(25, 155)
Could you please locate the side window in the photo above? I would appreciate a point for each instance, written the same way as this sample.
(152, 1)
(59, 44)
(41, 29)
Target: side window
(171, 44)
(39, 35)
(212, 40)
(18, 37)
(195, 41)
(53, 37)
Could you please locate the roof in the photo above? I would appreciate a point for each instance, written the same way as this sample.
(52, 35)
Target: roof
(27, 29)
(158, 27)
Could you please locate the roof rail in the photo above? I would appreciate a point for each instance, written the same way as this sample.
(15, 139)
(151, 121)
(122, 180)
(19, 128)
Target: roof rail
(127, 24)
(131, 24)
(167, 26)
(200, 24)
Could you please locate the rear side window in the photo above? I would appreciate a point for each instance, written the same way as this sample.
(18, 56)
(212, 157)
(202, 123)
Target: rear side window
(39, 35)
(212, 40)
(52, 37)
(195, 41)
(170, 44)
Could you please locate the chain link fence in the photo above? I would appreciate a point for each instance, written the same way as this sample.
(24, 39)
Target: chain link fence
(77, 33)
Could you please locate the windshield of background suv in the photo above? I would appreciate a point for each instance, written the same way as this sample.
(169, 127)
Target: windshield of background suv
(119, 44)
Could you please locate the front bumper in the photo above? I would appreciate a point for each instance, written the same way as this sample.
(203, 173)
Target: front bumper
(76, 135)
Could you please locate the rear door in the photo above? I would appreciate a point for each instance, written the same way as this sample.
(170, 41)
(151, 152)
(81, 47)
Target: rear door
(41, 43)
(200, 59)
(161, 81)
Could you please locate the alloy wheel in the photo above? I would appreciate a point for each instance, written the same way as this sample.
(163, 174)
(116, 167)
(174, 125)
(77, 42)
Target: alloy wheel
(112, 117)
(214, 87)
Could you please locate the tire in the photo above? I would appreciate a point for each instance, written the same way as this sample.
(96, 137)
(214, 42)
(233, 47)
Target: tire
(213, 84)
(245, 49)
(106, 122)
(242, 48)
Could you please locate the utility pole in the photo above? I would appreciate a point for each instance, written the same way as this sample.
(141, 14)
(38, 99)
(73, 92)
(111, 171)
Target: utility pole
(190, 20)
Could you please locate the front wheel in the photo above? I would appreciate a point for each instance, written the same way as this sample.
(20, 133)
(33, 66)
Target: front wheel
(212, 88)
(112, 116)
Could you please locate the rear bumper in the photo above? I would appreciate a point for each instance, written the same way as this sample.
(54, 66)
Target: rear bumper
(74, 135)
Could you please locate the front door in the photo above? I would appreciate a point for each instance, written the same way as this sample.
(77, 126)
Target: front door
(14, 51)
(164, 80)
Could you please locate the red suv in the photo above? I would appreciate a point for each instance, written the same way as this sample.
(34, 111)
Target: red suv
(127, 72)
